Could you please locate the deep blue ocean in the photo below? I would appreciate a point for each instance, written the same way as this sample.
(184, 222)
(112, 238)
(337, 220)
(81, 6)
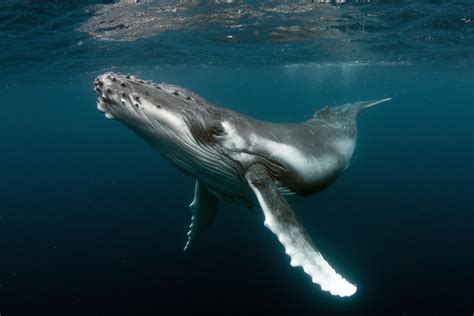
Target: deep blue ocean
(93, 220)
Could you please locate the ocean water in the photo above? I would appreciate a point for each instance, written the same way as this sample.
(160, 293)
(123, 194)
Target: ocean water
(93, 220)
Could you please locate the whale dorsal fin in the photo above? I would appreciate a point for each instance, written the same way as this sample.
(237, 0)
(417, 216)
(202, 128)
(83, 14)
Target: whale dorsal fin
(282, 221)
(203, 209)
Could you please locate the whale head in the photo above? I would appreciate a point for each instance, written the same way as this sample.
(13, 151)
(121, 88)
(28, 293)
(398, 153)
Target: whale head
(175, 121)
(139, 103)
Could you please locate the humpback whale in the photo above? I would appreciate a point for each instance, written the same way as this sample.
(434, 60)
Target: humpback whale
(242, 159)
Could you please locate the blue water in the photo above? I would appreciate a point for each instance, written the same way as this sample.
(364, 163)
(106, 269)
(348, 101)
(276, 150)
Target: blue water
(93, 221)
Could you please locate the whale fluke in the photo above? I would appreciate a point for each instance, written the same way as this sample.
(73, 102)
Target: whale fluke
(335, 113)
(361, 105)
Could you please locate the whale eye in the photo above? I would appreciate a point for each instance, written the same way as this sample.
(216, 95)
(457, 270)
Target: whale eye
(217, 129)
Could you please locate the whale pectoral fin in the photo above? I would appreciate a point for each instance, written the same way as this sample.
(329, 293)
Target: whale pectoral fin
(203, 209)
(282, 221)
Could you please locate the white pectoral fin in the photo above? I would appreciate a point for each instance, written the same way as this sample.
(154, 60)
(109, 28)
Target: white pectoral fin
(282, 221)
(203, 209)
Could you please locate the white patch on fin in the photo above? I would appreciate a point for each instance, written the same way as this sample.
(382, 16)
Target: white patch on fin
(281, 220)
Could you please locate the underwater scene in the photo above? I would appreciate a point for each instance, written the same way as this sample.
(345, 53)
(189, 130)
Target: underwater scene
(236, 157)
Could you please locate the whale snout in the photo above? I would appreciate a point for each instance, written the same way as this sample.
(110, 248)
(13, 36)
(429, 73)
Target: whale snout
(115, 93)
(130, 99)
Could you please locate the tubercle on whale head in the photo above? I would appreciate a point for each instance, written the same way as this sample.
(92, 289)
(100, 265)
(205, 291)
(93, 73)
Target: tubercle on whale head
(182, 126)
(118, 92)
(163, 109)
(132, 100)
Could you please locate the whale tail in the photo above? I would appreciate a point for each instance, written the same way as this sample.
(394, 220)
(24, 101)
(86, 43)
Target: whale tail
(349, 110)
(361, 105)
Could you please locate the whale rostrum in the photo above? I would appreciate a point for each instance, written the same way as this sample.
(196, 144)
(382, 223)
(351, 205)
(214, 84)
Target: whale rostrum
(242, 159)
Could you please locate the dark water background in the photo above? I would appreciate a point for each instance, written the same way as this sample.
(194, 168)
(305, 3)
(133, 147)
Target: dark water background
(93, 221)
